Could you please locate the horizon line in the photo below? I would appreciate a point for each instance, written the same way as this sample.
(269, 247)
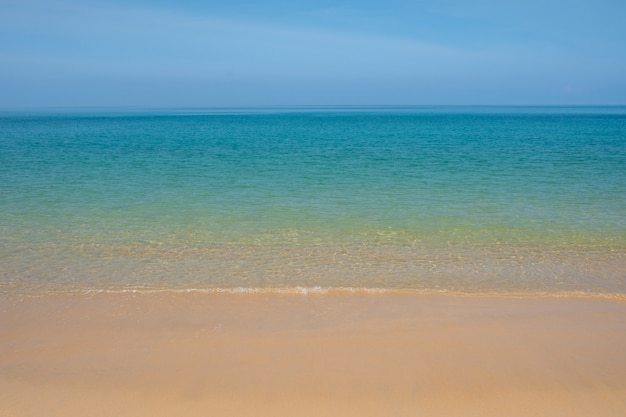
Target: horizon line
(244, 106)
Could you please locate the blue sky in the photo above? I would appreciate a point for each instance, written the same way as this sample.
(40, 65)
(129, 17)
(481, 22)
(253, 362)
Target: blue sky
(278, 52)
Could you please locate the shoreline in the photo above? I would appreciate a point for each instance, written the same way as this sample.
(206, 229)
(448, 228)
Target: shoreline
(336, 354)
(20, 295)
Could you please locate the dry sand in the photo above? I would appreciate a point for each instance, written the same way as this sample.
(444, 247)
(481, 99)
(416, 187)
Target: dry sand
(311, 355)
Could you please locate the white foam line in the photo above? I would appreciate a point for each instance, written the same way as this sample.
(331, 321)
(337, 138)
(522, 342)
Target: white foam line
(301, 290)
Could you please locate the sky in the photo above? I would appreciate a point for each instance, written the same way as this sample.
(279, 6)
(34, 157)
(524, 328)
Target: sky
(193, 53)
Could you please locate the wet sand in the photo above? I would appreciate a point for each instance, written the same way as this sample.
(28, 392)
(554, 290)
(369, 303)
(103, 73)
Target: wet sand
(311, 355)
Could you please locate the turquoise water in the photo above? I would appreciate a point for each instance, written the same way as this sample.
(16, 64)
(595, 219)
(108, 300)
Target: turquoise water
(463, 199)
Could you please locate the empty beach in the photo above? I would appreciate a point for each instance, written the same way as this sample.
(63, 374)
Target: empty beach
(328, 353)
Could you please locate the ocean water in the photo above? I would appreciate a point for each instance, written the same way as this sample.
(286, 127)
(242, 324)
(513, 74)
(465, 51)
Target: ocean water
(433, 199)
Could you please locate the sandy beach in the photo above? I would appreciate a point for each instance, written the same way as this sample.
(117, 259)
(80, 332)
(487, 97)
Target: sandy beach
(333, 354)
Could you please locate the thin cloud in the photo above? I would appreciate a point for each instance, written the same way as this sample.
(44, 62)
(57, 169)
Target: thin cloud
(310, 52)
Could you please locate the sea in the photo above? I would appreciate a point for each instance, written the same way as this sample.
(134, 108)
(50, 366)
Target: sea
(432, 199)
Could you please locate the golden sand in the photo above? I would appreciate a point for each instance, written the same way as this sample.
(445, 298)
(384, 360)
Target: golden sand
(311, 355)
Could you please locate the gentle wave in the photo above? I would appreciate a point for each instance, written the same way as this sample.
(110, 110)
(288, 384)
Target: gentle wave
(315, 291)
